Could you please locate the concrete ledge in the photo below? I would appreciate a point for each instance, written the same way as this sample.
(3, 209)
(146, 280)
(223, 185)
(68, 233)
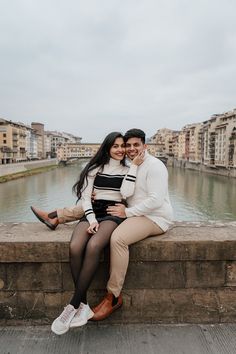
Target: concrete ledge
(186, 275)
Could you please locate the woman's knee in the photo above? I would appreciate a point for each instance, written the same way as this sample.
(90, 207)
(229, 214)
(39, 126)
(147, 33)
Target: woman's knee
(75, 248)
(94, 247)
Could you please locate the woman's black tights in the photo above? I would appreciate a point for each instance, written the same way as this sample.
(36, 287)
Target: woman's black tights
(85, 251)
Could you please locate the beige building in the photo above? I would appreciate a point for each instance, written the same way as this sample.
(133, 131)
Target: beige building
(232, 149)
(39, 129)
(13, 142)
(182, 145)
(225, 140)
(219, 140)
(69, 151)
(195, 143)
(164, 139)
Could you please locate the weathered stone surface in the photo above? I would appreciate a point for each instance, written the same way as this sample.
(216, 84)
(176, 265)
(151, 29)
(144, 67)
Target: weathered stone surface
(155, 275)
(231, 274)
(190, 241)
(8, 304)
(99, 281)
(227, 304)
(205, 274)
(34, 276)
(143, 305)
(186, 275)
(30, 304)
(3, 276)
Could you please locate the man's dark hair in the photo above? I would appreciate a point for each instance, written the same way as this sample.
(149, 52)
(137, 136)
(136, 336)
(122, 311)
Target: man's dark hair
(135, 133)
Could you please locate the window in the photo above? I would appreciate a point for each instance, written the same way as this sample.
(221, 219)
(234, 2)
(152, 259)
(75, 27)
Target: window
(4, 141)
(4, 135)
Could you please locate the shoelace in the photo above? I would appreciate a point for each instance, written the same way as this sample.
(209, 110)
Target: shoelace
(81, 307)
(66, 314)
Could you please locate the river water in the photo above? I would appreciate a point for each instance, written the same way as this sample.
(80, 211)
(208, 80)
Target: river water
(195, 196)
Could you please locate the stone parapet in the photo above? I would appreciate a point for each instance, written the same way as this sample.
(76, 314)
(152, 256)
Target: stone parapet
(185, 275)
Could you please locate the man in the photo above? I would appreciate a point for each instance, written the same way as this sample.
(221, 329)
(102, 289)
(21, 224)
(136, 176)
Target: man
(149, 212)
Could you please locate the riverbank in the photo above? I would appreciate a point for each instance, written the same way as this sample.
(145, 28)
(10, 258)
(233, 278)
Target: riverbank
(18, 170)
(214, 170)
(32, 172)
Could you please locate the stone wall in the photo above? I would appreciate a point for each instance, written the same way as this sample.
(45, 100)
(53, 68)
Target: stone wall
(221, 171)
(187, 275)
(25, 166)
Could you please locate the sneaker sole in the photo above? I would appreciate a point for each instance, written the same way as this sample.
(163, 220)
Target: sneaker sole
(59, 333)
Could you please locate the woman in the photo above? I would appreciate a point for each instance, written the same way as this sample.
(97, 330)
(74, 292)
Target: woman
(112, 180)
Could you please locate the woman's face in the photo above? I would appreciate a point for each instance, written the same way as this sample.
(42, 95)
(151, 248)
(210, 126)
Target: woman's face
(117, 151)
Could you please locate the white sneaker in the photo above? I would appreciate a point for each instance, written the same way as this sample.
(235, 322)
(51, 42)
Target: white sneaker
(62, 323)
(82, 316)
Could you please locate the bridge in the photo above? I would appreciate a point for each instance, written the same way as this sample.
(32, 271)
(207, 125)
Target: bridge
(66, 153)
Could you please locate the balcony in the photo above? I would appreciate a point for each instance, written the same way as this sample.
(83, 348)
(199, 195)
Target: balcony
(5, 149)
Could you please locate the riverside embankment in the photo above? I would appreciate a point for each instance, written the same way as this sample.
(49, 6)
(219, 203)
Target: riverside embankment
(22, 169)
(215, 170)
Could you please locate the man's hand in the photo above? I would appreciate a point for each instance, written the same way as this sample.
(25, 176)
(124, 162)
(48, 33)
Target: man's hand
(117, 210)
(93, 228)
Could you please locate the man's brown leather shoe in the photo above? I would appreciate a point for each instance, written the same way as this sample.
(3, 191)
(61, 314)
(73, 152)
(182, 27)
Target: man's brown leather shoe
(43, 217)
(105, 308)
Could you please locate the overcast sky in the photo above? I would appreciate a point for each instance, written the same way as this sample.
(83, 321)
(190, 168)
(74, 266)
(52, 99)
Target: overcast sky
(91, 67)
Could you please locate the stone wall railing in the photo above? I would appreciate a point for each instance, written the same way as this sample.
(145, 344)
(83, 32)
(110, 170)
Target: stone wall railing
(187, 275)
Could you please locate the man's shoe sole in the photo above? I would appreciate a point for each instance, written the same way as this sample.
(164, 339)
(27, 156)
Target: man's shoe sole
(47, 223)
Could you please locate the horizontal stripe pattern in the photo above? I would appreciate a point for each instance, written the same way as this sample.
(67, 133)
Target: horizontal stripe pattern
(108, 182)
(130, 178)
(88, 211)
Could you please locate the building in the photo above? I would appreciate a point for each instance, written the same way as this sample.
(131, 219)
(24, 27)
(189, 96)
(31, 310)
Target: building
(13, 142)
(163, 139)
(39, 131)
(69, 151)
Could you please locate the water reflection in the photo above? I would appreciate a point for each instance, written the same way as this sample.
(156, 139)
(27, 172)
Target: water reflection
(194, 196)
(201, 196)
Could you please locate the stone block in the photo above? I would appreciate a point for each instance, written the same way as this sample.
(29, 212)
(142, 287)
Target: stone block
(231, 274)
(205, 274)
(227, 304)
(155, 275)
(99, 281)
(34, 276)
(3, 276)
(53, 304)
(8, 304)
(30, 305)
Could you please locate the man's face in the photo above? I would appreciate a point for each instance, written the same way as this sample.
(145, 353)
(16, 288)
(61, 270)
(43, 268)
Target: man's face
(133, 147)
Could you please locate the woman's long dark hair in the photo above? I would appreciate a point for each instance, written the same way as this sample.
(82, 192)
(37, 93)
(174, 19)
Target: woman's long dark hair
(100, 159)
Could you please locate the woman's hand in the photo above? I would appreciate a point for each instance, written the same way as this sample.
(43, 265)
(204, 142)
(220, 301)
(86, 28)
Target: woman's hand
(93, 228)
(138, 160)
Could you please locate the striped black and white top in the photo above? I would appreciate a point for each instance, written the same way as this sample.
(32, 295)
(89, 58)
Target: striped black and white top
(114, 182)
